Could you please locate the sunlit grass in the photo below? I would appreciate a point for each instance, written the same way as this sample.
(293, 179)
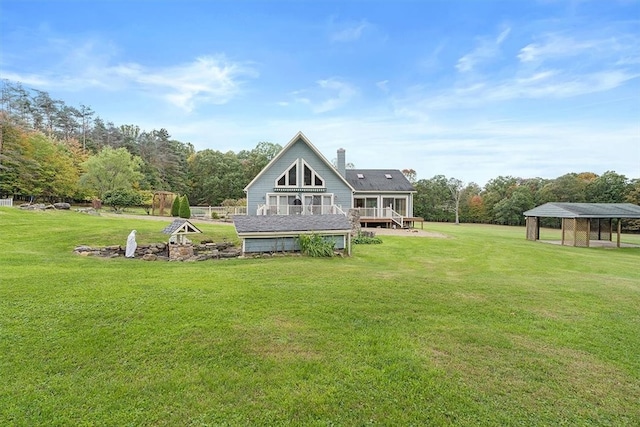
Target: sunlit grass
(483, 327)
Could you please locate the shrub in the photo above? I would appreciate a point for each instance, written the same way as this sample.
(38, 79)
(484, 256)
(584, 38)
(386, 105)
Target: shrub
(122, 198)
(147, 200)
(185, 210)
(315, 245)
(175, 207)
(366, 238)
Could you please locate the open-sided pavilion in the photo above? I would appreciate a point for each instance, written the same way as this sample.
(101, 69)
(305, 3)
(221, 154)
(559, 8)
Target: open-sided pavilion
(582, 222)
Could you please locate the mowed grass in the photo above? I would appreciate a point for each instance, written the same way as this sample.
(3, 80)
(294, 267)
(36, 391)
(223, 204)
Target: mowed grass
(480, 328)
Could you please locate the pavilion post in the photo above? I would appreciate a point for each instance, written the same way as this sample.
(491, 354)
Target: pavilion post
(619, 230)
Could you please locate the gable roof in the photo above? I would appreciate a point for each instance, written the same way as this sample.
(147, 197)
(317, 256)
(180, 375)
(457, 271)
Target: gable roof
(180, 226)
(376, 180)
(297, 137)
(585, 210)
(247, 224)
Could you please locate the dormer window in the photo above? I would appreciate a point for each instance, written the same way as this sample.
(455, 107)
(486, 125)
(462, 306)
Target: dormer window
(388, 175)
(360, 176)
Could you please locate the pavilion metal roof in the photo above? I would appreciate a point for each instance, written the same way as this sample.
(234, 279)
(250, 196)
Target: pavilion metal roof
(585, 210)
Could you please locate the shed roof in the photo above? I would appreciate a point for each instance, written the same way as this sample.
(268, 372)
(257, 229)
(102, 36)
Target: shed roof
(377, 180)
(181, 226)
(288, 223)
(585, 210)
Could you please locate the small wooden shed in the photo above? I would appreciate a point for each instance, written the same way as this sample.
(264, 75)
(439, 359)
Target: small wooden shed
(582, 222)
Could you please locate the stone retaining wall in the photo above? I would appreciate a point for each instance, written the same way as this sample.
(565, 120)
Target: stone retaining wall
(165, 252)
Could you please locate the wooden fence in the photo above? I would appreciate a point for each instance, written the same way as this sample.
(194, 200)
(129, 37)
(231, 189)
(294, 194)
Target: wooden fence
(6, 202)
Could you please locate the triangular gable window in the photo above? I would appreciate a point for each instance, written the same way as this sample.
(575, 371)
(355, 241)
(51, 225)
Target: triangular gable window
(310, 177)
(290, 177)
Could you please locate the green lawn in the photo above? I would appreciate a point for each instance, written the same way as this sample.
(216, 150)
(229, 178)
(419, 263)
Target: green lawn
(481, 328)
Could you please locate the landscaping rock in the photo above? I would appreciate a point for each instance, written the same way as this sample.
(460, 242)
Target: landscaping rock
(62, 206)
(164, 252)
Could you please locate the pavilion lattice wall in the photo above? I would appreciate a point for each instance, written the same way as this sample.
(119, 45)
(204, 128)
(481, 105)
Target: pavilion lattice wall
(568, 231)
(581, 234)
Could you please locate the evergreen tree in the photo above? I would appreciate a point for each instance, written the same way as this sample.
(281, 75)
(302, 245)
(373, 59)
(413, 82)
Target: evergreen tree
(175, 207)
(185, 210)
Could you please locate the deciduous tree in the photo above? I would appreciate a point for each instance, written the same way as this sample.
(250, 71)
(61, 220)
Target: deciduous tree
(110, 170)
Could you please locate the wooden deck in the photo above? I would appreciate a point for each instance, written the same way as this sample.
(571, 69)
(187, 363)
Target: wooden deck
(376, 222)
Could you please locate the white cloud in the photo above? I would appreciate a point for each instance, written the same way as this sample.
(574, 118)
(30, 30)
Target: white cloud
(91, 64)
(383, 85)
(591, 48)
(342, 94)
(548, 84)
(327, 95)
(347, 32)
(503, 35)
(555, 46)
(213, 80)
(487, 49)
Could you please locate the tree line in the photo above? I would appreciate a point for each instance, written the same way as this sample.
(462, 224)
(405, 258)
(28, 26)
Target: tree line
(50, 151)
(53, 152)
(503, 199)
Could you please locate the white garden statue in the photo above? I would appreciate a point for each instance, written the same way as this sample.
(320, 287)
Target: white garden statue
(131, 245)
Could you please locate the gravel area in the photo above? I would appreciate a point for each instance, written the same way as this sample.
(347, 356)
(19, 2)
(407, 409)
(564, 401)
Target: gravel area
(412, 232)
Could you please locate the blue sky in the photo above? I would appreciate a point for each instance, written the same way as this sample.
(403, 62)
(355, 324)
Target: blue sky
(467, 89)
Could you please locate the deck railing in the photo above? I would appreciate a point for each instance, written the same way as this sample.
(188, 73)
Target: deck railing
(382, 213)
(299, 210)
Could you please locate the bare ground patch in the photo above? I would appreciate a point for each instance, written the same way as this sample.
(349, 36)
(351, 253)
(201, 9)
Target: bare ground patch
(411, 232)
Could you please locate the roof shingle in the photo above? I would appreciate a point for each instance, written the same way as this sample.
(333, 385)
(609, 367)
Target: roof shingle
(376, 180)
(284, 223)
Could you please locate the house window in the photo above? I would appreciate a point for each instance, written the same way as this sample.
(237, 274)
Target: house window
(388, 175)
(290, 177)
(310, 177)
(360, 176)
(398, 204)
